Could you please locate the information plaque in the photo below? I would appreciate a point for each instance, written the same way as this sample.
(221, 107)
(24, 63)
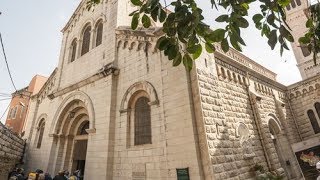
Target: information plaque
(183, 174)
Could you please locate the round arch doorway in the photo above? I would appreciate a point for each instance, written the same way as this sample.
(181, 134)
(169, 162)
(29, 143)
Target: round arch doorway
(70, 150)
(80, 149)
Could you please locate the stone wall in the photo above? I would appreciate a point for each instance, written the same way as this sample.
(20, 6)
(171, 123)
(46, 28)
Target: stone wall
(302, 97)
(11, 150)
(225, 104)
(232, 100)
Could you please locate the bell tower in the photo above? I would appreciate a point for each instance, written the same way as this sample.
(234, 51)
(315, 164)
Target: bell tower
(296, 19)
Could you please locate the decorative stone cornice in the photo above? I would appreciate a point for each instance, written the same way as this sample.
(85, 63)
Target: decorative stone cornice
(103, 72)
(47, 87)
(140, 39)
(245, 61)
(303, 87)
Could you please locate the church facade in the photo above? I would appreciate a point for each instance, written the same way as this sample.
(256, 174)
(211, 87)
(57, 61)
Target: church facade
(115, 108)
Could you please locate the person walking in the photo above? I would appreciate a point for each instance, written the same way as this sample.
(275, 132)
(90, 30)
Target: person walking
(60, 176)
(37, 175)
(12, 173)
(74, 176)
(47, 176)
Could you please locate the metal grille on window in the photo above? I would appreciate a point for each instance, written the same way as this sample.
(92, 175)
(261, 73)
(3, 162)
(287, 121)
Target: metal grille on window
(313, 121)
(86, 40)
(142, 123)
(73, 50)
(99, 34)
(41, 131)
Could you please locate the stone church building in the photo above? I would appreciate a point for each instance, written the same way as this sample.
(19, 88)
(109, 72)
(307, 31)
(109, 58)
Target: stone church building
(116, 109)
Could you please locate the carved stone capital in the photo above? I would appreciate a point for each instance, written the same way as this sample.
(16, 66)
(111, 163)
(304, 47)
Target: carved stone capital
(70, 136)
(53, 135)
(91, 131)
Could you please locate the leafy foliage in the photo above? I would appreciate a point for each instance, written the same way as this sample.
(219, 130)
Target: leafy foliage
(186, 35)
(312, 38)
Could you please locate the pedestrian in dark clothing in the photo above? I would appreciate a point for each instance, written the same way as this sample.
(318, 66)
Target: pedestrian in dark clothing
(47, 176)
(12, 173)
(20, 174)
(60, 176)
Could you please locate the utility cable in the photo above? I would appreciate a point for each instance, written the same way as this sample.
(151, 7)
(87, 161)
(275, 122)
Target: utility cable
(5, 111)
(5, 59)
(4, 95)
(4, 99)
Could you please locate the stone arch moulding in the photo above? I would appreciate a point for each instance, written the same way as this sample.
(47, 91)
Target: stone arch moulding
(86, 22)
(272, 119)
(78, 95)
(139, 86)
(42, 116)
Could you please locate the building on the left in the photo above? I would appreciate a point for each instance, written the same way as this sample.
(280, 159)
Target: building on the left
(18, 107)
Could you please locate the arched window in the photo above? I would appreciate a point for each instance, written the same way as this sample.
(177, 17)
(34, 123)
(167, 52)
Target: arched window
(244, 80)
(223, 72)
(22, 111)
(293, 4)
(73, 50)
(313, 121)
(299, 2)
(99, 30)
(83, 127)
(317, 106)
(13, 112)
(142, 122)
(40, 132)
(288, 7)
(86, 40)
(305, 50)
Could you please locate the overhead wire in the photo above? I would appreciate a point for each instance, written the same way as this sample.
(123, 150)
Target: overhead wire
(5, 111)
(6, 61)
(4, 99)
(5, 93)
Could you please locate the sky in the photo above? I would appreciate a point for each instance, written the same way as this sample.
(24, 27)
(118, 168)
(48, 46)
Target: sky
(32, 39)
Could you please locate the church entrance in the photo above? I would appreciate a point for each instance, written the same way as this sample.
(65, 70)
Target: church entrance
(70, 150)
(80, 149)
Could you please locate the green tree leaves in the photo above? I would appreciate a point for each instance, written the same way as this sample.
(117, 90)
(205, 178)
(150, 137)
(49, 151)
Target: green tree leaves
(136, 2)
(186, 35)
(223, 18)
(146, 21)
(312, 38)
(135, 21)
